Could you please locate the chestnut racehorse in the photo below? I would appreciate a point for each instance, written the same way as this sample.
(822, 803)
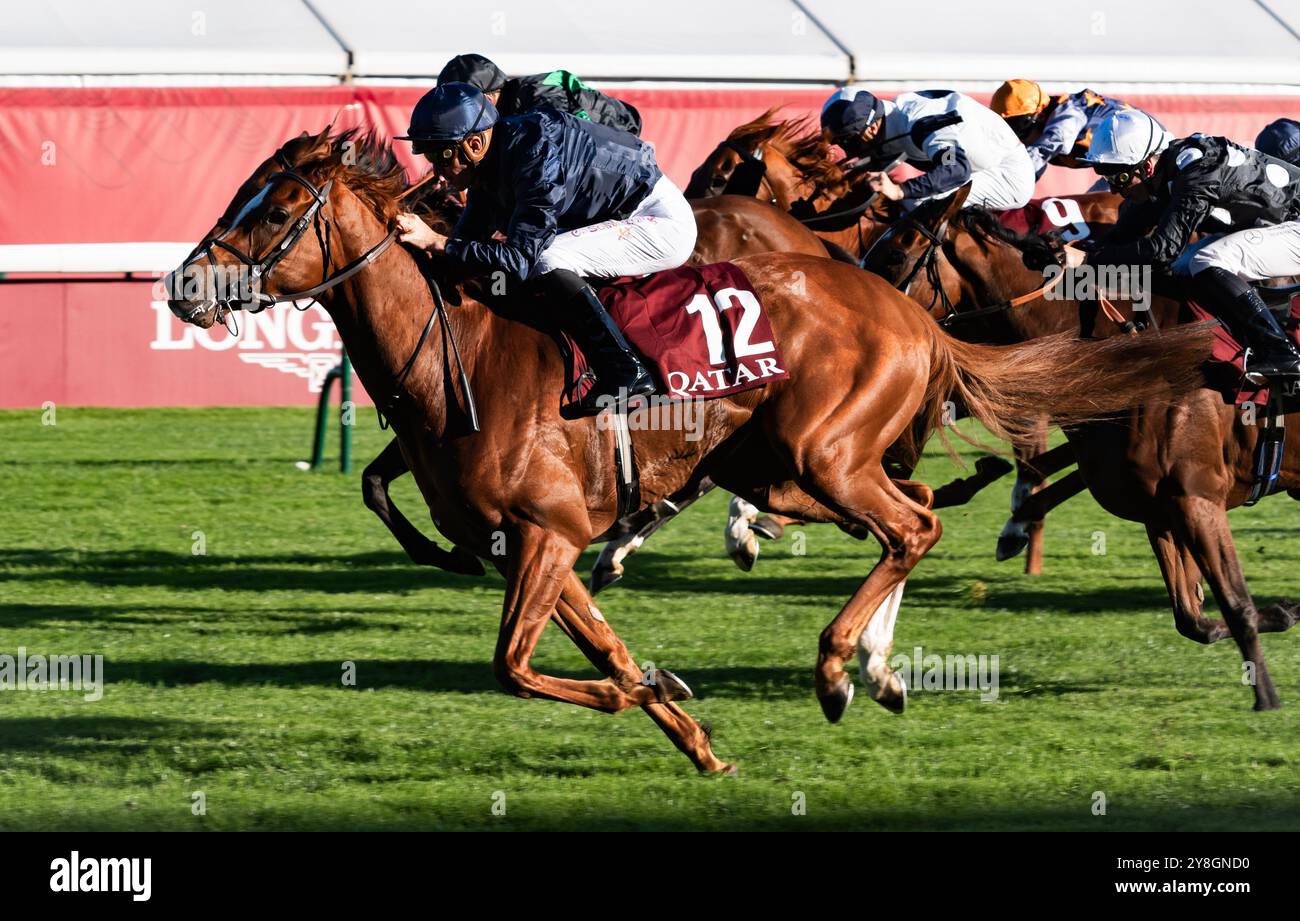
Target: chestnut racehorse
(1175, 468)
(868, 370)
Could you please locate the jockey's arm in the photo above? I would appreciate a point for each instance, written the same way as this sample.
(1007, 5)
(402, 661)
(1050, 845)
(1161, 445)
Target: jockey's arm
(1059, 136)
(950, 170)
(532, 225)
(1173, 231)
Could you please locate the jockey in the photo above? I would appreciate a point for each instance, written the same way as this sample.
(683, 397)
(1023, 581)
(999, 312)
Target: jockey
(950, 137)
(1054, 129)
(570, 198)
(558, 89)
(1281, 139)
(1247, 201)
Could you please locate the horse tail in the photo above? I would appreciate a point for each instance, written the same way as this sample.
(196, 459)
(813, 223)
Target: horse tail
(1009, 388)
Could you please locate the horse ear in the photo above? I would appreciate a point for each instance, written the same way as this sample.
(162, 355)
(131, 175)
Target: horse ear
(956, 201)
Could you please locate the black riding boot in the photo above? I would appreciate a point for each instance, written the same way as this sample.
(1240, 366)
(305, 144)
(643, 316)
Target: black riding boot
(619, 374)
(1239, 306)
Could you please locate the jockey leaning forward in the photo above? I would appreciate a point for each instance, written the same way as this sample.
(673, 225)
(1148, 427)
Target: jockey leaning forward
(1054, 129)
(1247, 202)
(558, 89)
(949, 136)
(570, 198)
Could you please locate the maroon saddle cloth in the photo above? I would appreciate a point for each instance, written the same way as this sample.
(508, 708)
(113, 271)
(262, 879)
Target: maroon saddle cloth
(701, 330)
(1227, 365)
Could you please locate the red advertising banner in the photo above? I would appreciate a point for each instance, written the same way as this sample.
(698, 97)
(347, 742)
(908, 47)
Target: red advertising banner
(157, 165)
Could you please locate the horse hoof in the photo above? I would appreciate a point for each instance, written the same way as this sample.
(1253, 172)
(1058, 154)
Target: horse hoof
(1010, 546)
(668, 687)
(837, 701)
(767, 528)
(602, 579)
(893, 697)
(746, 554)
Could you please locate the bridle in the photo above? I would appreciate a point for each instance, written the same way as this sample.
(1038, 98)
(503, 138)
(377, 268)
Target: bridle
(928, 262)
(260, 270)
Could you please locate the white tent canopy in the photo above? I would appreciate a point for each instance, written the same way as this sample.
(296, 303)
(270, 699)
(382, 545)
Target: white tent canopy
(1154, 41)
(634, 39)
(813, 41)
(63, 37)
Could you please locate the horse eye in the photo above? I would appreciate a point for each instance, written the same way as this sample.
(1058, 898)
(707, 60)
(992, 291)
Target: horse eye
(276, 216)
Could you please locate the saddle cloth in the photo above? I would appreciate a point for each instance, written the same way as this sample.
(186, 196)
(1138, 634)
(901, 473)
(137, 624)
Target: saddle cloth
(1043, 215)
(701, 329)
(1227, 365)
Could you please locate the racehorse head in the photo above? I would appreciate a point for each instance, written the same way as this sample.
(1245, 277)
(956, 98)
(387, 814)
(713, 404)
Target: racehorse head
(273, 240)
(779, 161)
(913, 241)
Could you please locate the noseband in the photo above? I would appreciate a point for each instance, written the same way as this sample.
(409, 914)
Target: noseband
(261, 269)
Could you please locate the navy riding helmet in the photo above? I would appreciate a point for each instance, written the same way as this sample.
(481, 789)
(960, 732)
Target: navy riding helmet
(843, 116)
(451, 112)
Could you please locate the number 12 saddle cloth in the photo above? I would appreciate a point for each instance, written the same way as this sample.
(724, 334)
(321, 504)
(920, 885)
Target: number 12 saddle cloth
(701, 329)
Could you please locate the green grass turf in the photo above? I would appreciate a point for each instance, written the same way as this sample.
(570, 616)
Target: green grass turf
(224, 669)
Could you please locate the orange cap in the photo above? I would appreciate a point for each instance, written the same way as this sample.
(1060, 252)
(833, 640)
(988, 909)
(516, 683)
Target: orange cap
(1018, 97)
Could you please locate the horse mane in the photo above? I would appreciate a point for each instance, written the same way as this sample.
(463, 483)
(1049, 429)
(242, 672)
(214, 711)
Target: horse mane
(796, 139)
(984, 224)
(362, 161)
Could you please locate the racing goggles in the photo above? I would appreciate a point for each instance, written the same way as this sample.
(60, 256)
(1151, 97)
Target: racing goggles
(1121, 177)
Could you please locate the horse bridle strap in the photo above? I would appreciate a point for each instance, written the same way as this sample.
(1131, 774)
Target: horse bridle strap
(834, 215)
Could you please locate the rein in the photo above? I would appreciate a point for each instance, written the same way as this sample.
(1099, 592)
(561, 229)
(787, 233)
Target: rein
(952, 316)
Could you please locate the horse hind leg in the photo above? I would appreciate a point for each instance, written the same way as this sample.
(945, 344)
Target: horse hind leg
(906, 529)
(1203, 524)
(1183, 582)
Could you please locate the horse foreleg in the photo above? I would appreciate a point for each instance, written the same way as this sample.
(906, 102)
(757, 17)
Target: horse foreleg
(1203, 524)
(578, 616)
(537, 567)
(1034, 507)
(388, 466)
(608, 567)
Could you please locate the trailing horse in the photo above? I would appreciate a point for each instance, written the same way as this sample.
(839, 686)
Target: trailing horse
(1175, 468)
(868, 370)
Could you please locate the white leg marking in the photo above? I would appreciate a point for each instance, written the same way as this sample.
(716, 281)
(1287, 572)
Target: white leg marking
(875, 645)
(741, 542)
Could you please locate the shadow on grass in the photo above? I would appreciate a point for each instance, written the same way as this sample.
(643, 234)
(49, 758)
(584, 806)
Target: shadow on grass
(90, 734)
(380, 572)
(359, 572)
(459, 677)
(203, 620)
